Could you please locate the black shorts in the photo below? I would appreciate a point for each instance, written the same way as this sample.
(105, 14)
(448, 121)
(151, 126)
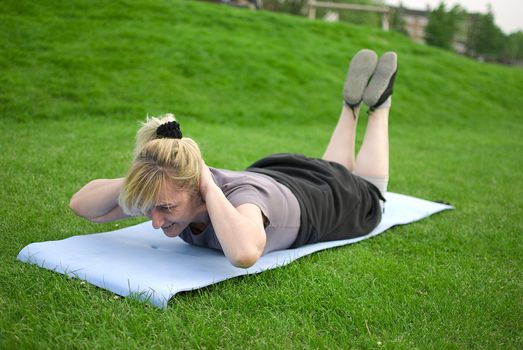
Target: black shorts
(335, 204)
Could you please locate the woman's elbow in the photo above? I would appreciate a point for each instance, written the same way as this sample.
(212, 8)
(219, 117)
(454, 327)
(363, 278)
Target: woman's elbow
(75, 205)
(245, 259)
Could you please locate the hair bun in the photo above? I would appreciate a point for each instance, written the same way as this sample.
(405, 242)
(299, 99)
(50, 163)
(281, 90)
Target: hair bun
(169, 130)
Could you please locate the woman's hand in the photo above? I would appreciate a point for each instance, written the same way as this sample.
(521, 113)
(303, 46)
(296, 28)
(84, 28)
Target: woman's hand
(206, 180)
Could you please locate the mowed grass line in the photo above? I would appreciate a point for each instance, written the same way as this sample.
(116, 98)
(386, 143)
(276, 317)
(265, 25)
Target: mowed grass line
(245, 85)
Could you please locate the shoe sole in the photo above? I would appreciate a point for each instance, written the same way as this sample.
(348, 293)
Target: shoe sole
(380, 86)
(360, 71)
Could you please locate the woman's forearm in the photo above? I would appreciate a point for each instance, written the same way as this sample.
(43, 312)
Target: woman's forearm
(239, 230)
(97, 199)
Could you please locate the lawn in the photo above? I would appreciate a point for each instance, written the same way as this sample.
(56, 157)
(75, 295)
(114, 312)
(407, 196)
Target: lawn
(75, 79)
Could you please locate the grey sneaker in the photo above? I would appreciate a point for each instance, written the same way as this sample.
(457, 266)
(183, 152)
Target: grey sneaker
(382, 82)
(361, 69)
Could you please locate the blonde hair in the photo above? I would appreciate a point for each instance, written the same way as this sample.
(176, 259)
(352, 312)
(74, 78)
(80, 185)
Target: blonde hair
(158, 161)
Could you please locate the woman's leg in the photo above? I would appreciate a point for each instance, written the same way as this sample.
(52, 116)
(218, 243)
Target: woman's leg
(373, 156)
(342, 142)
(372, 161)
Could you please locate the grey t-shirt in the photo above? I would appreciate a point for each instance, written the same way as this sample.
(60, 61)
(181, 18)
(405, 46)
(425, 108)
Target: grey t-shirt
(277, 203)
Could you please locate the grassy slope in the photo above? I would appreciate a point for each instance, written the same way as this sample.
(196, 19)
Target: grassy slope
(75, 78)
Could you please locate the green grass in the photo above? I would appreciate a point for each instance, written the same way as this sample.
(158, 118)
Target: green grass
(75, 77)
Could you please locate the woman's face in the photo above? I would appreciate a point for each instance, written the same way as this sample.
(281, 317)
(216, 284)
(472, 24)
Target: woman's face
(175, 209)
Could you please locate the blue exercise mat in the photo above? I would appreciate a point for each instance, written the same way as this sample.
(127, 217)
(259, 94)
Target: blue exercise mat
(142, 261)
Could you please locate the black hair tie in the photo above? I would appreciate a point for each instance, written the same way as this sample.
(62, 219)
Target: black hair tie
(169, 130)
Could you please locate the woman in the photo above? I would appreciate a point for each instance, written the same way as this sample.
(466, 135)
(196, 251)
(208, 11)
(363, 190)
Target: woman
(281, 201)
